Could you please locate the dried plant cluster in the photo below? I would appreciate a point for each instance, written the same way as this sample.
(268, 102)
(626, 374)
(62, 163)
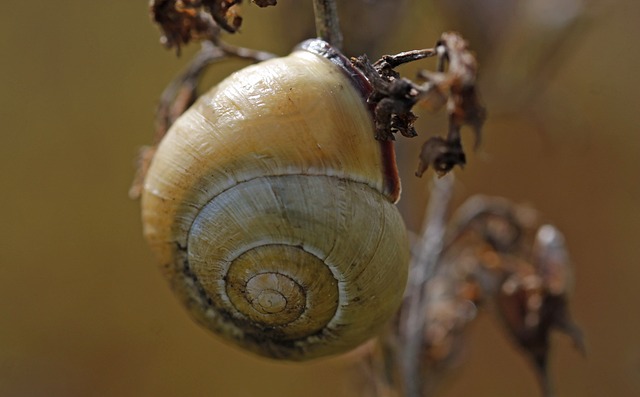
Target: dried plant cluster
(182, 21)
(494, 253)
(453, 86)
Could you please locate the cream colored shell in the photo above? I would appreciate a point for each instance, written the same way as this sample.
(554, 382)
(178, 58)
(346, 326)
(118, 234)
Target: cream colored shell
(269, 208)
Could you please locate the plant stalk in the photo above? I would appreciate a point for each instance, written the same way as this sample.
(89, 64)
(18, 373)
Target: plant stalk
(423, 267)
(327, 22)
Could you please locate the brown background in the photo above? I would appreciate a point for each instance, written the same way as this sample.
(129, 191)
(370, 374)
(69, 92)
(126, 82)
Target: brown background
(83, 311)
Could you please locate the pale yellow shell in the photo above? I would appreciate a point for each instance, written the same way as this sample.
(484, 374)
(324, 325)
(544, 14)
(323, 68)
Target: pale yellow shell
(270, 208)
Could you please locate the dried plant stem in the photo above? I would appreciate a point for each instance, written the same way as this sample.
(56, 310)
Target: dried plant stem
(393, 61)
(179, 94)
(244, 53)
(327, 22)
(182, 92)
(423, 267)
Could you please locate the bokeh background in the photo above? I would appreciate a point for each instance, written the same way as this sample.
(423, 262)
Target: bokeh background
(84, 311)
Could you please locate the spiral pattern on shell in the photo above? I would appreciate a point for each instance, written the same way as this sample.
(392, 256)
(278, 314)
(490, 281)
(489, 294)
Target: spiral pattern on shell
(270, 207)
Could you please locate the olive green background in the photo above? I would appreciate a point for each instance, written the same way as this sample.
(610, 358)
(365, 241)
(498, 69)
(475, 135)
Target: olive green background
(84, 311)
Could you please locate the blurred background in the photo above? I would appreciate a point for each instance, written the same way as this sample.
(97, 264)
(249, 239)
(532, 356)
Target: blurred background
(85, 312)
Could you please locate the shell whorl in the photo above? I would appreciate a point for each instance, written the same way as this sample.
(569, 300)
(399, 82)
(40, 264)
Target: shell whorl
(270, 207)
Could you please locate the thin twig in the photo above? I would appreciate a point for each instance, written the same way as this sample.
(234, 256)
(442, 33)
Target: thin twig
(423, 267)
(327, 22)
(396, 60)
(182, 92)
(169, 108)
(245, 53)
(179, 94)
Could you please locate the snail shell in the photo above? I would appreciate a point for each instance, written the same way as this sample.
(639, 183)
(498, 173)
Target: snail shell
(269, 205)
